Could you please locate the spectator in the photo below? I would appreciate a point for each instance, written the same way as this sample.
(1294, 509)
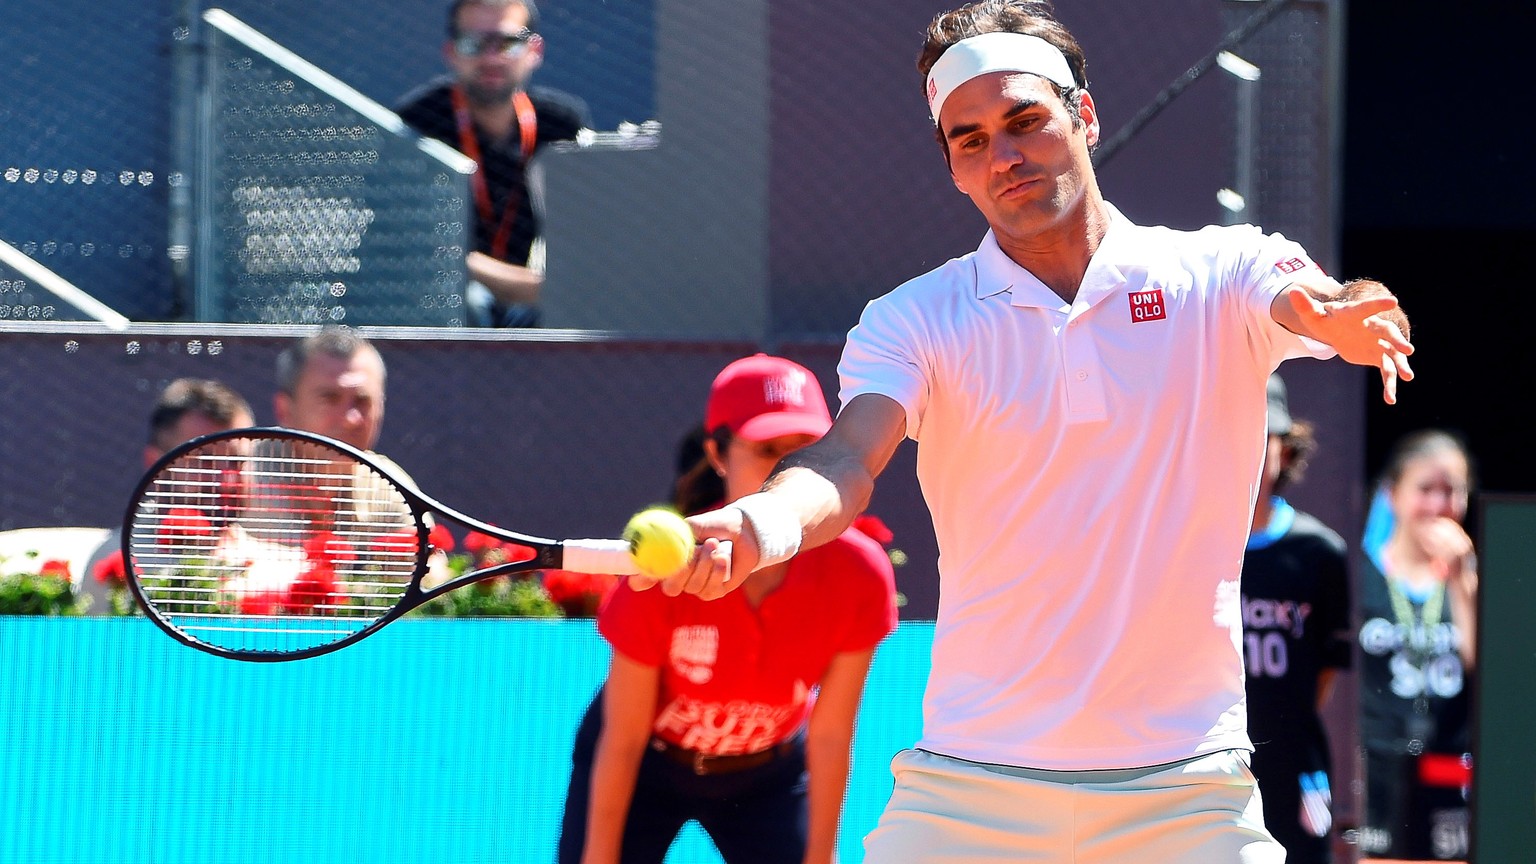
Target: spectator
(1087, 399)
(186, 408)
(332, 384)
(488, 110)
(737, 714)
(192, 407)
(1296, 631)
(1418, 639)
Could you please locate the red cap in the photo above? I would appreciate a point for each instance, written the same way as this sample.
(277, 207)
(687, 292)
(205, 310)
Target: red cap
(762, 397)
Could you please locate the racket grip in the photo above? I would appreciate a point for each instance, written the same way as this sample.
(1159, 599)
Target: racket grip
(599, 556)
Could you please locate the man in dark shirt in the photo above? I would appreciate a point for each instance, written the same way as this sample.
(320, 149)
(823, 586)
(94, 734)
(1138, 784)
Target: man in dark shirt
(1296, 634)
(486, 110)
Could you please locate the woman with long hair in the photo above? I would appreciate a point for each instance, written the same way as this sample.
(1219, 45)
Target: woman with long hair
(736, 713)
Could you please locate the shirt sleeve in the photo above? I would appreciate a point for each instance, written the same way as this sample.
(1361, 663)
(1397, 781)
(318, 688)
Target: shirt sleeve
(1271, 263)
(881, 356)
(870, 585)
(635, 623)
(561, 114)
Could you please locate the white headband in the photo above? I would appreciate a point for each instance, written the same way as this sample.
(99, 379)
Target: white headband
(994, 52)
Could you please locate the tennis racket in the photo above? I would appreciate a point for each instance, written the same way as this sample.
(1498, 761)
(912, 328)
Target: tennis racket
(274, 544)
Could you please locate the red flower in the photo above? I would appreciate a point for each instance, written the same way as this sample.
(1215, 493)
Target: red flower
(400, 543)
(478, 544)
(57, 569)
(488, 551)
(315, 586)
(184, 525)
(441, 538)
(260, 603)
(870, 526)
(567, 586)
(518, 552)
(109, 570)
(326, 548)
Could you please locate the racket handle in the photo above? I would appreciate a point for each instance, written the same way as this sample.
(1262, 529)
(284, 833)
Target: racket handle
(599, 556)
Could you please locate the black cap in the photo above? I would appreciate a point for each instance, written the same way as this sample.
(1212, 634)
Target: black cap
(1279, 411)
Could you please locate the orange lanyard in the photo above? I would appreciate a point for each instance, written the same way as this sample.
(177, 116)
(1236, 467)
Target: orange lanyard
(528, 129)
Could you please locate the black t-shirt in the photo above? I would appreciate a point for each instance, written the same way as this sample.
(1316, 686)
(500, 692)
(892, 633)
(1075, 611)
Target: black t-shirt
(1296, 623)
(429, 110)
(1413, 686)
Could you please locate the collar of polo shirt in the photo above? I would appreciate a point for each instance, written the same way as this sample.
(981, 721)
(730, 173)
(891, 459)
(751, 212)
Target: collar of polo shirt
(994, 52)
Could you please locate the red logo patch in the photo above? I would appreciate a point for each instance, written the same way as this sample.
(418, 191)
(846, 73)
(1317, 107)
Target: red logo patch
(1147, 306)
(1291, 265)
(933, 91)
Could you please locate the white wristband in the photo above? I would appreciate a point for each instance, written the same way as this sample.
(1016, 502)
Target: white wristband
(775, 524)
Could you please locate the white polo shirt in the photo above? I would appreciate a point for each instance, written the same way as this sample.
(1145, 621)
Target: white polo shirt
(1091, 469)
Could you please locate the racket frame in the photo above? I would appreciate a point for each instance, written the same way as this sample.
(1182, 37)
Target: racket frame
(548, 554)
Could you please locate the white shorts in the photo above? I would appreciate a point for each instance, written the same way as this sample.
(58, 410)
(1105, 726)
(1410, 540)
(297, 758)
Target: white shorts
(1204, 810)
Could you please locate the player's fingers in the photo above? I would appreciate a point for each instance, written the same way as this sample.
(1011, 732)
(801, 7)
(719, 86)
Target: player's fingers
(1366, 306)
(701, 575)
(677, 583)
(719, 583)
(1390, 334)
(642, 582)
(1388, 379)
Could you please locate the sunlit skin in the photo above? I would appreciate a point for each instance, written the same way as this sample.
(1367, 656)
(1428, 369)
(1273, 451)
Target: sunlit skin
(745, 466)
(631, 690)
(193, 424)
(1429, 501)
(490, 79)
(1016, 151)
(1428, 543)
(341, 398)
(1021, 155)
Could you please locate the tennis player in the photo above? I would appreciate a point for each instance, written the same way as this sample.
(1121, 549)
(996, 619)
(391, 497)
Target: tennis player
(1088, 400)
(737, 714)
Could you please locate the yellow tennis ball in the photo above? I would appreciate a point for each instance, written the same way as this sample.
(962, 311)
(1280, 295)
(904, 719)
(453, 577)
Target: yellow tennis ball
(660, 541)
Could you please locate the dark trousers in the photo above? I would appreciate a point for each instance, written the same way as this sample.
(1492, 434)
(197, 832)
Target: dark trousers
(755, 816)
(1408, 819)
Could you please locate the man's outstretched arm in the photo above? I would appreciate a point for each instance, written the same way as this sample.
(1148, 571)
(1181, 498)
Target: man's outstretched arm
(811, 497)
(1360, 320)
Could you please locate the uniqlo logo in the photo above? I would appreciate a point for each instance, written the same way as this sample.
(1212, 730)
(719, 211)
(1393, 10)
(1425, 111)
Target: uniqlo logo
(1291, 265)
(1147, 306)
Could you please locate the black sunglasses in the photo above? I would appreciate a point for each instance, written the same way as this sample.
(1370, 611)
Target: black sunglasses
(476, 44)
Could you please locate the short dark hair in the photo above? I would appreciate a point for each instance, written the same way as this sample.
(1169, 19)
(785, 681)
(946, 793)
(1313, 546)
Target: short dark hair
(1031, 17)
(213, 399)
(333, 340)
(453, 12)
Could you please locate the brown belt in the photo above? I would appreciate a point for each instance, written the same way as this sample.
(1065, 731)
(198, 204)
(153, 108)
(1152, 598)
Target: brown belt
(709, 763)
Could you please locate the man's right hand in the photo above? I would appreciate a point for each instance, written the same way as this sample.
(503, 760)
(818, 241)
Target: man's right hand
(725, 555)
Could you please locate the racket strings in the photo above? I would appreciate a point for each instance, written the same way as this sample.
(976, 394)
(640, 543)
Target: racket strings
(270, 544)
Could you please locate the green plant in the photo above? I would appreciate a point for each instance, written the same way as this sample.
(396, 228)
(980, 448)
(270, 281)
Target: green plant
(35, 587)
(501, 597)
(522, 595)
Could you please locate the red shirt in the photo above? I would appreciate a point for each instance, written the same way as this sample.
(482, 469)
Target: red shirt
(738, 679)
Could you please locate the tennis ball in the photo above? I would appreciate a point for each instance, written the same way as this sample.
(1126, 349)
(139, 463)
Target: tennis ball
(660, 541)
